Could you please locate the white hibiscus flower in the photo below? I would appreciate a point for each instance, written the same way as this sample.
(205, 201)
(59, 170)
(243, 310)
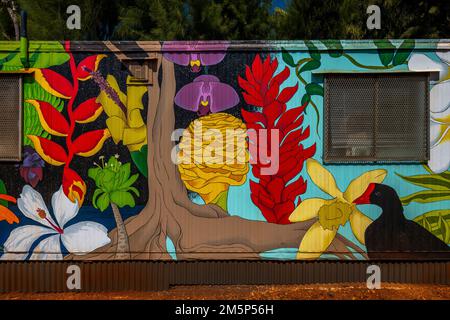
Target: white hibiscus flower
(439, 107)
(79, 238)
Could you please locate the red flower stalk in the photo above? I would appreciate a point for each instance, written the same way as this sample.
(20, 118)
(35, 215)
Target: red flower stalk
(86, 144)
(275, 195)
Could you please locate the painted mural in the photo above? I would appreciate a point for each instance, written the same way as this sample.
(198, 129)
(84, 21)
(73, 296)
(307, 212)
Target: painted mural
(220, 157)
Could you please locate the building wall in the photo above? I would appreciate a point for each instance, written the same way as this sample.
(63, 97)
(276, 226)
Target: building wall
(98, 179)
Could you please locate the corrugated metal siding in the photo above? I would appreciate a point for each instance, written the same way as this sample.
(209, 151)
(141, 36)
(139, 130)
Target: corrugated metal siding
(45, 276)
(300, 272)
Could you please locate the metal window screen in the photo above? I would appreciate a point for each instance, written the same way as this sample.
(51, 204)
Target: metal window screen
(11, 119)
(376, 117)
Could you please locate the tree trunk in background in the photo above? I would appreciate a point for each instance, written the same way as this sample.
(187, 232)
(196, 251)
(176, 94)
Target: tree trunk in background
(11, 7)
(197, 231)
(123, 246)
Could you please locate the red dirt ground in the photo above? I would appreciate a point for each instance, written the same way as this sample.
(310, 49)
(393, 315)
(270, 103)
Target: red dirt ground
(349, 291)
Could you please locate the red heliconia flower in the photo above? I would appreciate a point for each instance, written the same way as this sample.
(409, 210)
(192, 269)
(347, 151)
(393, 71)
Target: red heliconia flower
(87, 65)
(74, 186)
(53, 83)
(275, 195)
(90, 143)
(50, 118)
(49, 150)
(88, 111)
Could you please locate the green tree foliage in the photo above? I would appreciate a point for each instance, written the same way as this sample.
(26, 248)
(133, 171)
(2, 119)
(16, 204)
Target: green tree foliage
(327, 19)
(346, 19)
(412, 19)
(230, 19)
(151, 20)
(47, 19)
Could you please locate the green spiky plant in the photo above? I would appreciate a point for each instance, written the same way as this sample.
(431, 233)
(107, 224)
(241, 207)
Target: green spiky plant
(114, 184)
(437, 188)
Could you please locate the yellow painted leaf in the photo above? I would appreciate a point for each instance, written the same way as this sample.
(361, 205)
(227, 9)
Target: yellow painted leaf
(359, 223)
(322, 178)
(315, 242)
(357, 187)
(307, 209)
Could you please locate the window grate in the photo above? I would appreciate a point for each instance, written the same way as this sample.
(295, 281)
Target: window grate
(376, 117)
(11, 117)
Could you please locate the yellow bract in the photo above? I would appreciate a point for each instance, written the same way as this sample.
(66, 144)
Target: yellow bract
(333, 213)
(130, 127)
(212, 155)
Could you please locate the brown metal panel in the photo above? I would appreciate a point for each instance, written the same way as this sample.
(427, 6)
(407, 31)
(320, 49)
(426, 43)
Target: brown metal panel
(156, 275)
(409, 272)
(2, 278)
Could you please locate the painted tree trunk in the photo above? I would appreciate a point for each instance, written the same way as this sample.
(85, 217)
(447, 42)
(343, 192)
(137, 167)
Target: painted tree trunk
(123, 246)
(170, 213)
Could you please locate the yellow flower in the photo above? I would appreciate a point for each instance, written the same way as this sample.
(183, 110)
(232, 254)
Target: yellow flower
(213, 155)
(332, 213)
(125, 125)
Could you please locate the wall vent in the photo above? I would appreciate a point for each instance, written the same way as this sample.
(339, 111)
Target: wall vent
(11, 119)
(142, 70)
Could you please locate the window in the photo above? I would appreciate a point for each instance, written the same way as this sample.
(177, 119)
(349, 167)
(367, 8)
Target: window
(10, 117)
(376, 117)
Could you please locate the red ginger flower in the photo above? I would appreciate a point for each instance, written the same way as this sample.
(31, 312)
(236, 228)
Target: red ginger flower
(275, 195)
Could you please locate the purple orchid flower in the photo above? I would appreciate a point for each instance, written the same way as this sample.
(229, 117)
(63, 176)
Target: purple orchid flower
(195, 53)
(31, 169)
(206, 94)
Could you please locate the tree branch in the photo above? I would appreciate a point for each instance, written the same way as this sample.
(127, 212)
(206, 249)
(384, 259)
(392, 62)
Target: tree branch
(11, 7)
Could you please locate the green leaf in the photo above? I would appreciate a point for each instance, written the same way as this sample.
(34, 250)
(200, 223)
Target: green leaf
(3, 191)
(386, 51)
(140, 160)
(7, 57)
(313, 89)
(426, 196)
(313, 50)
(310, 65)
(306, 98)
(130, 181)
(97, 192)
(403, 52)
(445, 175)
(125, 169)
(136, 191)
(32, 125)
(287, 58)
(122, 198)
(44, 60)
(334, 47)
(103, 202)
(107, 178)
(444, 228)
(12, 64)
(437, 222)
(434, 182)
(93, 173)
